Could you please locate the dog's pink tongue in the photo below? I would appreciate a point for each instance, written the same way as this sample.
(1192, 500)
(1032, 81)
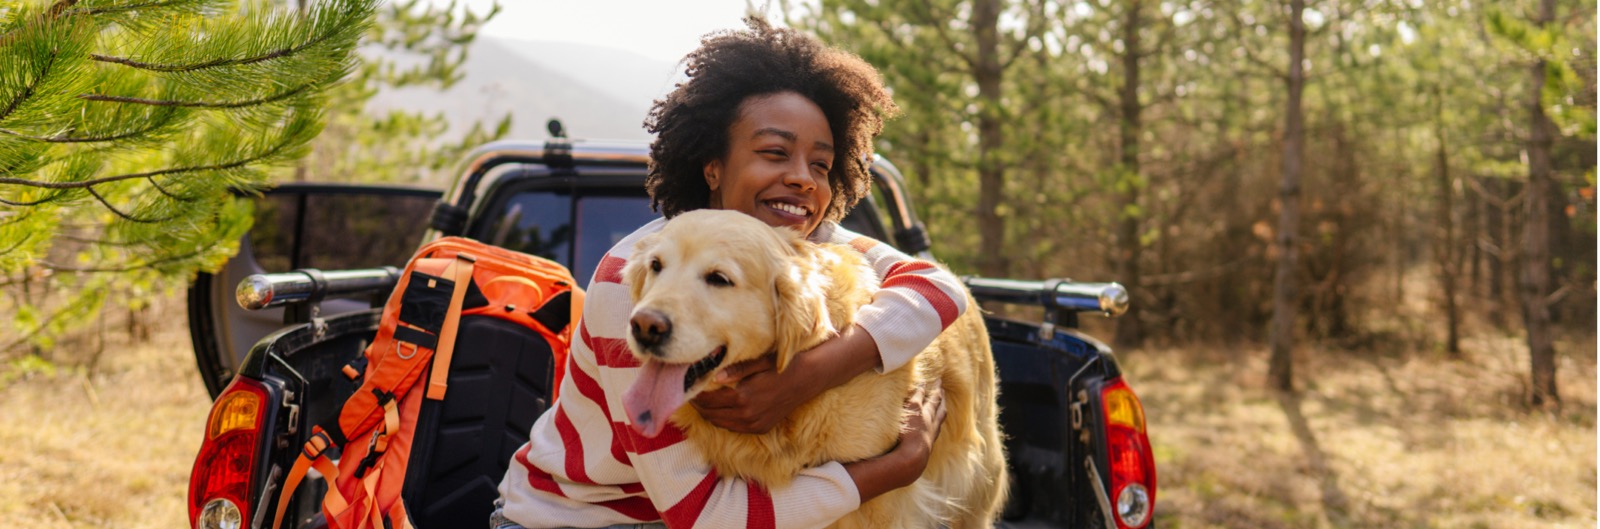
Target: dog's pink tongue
(654, 396)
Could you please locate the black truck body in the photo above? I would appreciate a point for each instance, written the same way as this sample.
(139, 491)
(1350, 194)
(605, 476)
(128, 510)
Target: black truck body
(321, 258)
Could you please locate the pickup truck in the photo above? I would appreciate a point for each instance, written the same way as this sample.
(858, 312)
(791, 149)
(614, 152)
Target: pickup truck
(321, 259)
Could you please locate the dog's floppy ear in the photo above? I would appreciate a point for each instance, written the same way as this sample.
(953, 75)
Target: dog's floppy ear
(800, 301)
(638, 267)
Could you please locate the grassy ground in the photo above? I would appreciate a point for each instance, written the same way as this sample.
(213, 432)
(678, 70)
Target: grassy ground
(1375, 439)
(109, 447)
(1385, 438)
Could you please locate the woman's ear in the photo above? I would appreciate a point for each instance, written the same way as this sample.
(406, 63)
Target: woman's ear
(713, 174)
(637, 270)
(801, 305)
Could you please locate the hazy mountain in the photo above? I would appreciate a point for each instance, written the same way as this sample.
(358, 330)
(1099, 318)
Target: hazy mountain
(597, 92)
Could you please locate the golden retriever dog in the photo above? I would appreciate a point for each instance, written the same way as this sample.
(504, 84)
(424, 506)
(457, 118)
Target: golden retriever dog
(719, 287)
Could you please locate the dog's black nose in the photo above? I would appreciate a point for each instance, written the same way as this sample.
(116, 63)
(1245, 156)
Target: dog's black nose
(650, 327)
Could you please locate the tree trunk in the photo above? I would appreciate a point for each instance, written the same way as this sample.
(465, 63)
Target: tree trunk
(1499, 222)
(1397, 236)
(1284, 295)
(1444, 247)
(991, 171)
(1238, 307)
(1535, 284)
(1129, 180)
(1474, 251)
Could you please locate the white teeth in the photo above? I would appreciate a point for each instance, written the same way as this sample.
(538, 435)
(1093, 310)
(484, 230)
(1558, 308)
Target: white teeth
(789, 208)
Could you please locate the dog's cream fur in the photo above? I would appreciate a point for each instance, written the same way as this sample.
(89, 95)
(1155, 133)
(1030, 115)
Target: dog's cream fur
(789, 295)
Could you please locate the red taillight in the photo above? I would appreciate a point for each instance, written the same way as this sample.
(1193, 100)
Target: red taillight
(1133, 468)
(223, 469)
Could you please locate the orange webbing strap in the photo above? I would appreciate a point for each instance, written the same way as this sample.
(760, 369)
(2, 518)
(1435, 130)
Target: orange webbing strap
(452, 320)
(311, 455)
(374, 515)
(398, 517)
(391, 423)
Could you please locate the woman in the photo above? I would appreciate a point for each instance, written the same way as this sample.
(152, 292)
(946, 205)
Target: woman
(774, 124)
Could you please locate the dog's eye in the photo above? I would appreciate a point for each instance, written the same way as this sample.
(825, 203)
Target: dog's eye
(717, 279)
(655, 264)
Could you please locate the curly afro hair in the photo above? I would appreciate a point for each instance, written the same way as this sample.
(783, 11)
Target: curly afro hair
(691, 123)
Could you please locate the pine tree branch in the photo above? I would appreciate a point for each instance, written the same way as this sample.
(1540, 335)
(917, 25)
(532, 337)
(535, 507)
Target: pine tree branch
(18, 244)
(35, 332)
(60, 7)
(200, 104)
(64, 138)
(1033, 28)
(169, 194)
(217, 62)
(174, 170)
(51, 14)
(28, 91)
(120, 269)
(121, 8)
(937, 21)
(33, 203)
(126, 216)
(97, 242)
(883, 26)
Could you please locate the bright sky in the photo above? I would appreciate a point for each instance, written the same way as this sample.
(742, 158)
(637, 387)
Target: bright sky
(660, 29)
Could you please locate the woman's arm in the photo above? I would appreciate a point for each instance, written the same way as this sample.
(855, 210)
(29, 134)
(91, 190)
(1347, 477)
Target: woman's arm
(688, 494)
(903, 465)
(915, 302)
(763, 397)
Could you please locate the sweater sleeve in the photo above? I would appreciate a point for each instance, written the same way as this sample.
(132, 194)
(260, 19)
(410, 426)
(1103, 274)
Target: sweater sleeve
(915, 302)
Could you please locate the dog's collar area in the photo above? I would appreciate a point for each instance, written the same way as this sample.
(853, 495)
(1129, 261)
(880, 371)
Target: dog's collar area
(703, 367)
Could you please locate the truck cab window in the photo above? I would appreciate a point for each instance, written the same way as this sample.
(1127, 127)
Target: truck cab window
(536, 222)
(605, 220)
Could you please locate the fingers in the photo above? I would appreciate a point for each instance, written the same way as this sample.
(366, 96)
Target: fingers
(935, 397)
(927, 407)
(730, 408)
(717, 399)
(735, 373)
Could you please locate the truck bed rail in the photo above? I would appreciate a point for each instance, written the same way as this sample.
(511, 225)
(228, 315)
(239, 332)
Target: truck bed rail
(261, 291)
(1109, 299)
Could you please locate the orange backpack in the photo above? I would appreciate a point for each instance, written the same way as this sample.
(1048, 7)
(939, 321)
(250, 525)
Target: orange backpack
(409, 361)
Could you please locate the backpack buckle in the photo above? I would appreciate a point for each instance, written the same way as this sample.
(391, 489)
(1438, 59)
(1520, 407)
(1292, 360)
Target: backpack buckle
(316, 445)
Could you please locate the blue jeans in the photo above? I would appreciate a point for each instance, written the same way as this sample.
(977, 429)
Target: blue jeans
(498, 520)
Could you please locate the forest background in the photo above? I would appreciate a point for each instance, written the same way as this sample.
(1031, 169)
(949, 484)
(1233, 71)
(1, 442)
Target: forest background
(1386, 209)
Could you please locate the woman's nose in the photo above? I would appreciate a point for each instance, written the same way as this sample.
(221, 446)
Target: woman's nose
(799, 176)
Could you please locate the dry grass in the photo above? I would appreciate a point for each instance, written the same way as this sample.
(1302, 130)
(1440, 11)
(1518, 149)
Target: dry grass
(1376, 439)
(109, 448)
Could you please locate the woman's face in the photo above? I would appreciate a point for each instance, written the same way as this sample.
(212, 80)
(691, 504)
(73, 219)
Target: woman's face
(780, 151)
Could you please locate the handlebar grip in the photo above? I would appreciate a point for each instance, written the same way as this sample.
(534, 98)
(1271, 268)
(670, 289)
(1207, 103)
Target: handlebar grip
(262, 291)
(1110, 299)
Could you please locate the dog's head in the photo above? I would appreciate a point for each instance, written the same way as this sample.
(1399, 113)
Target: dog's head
(711, 289)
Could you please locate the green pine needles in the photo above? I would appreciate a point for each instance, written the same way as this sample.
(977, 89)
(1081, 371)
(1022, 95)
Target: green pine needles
(125, 127)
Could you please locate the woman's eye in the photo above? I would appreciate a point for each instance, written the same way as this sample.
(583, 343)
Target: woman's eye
(717, 279)
(820, 165)
(655, 264)
(774, 153)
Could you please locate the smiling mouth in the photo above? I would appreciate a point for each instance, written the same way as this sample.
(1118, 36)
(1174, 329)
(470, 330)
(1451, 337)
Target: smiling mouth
(791, 209)
(703, 367)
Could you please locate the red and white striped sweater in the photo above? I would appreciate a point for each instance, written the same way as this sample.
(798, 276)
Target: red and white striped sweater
(584, 467)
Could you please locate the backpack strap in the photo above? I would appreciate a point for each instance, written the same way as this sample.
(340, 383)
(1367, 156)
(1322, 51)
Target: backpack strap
(452, 320)
(311, 455)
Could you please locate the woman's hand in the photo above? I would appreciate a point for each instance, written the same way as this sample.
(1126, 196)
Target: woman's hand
(761, 396)
(904, 464)
(758, 400)
(926, 412)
